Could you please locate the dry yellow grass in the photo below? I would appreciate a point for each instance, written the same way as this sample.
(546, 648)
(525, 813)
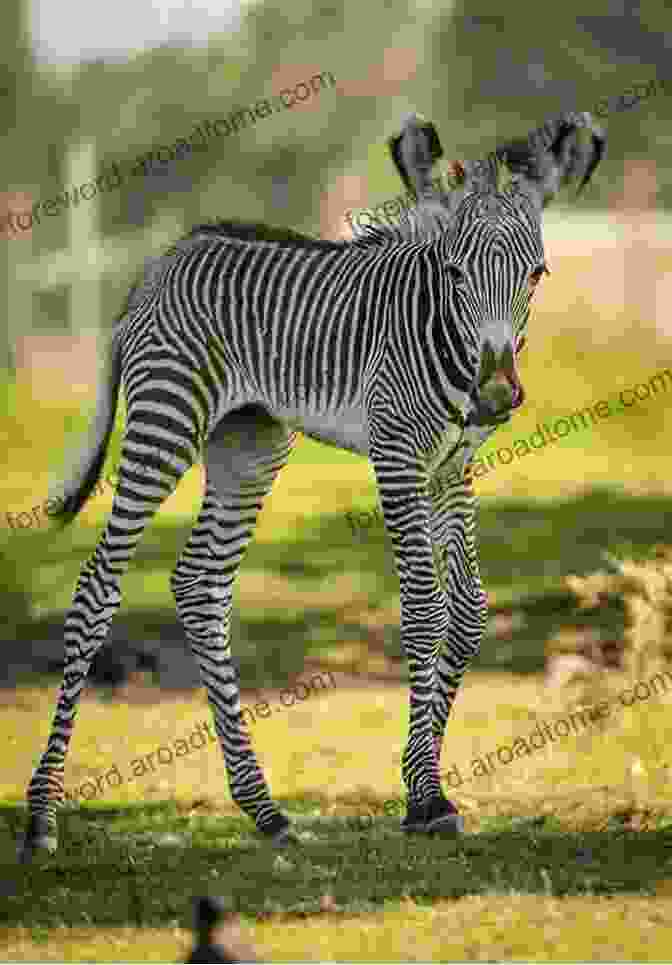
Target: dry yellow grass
(479, 928)
(344, 746)
(644, 590)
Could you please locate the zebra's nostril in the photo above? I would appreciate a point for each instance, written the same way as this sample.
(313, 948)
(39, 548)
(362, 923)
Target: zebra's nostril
(488, 367)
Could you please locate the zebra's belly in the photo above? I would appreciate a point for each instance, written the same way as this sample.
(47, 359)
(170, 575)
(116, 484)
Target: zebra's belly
(345, 429)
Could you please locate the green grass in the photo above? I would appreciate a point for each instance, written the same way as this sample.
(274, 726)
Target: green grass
(138, 865)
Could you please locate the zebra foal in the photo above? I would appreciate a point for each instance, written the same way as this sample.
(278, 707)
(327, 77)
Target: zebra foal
(395, 348)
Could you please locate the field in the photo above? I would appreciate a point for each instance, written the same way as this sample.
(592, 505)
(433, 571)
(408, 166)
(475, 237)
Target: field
(566, 856)
(567, 851)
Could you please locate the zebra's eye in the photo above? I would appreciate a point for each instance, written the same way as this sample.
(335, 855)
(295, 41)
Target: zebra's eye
(457, 276)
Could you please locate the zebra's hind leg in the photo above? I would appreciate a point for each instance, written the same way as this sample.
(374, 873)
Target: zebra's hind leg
(143, 485)
(242, 458)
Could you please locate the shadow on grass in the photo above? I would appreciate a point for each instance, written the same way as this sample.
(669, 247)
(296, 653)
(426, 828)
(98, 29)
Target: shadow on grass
(526, 551)
(142, 865)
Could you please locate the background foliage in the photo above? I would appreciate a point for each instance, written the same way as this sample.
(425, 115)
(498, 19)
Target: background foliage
(548, 836)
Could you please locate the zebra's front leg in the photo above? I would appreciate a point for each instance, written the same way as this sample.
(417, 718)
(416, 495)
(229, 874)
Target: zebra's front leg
(453, 522)
(424, 624)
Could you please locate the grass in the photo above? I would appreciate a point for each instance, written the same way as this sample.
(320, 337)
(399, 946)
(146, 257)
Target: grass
(548, 838)
(491, 928)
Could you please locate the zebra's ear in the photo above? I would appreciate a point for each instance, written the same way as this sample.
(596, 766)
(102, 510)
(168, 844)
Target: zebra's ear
(568, 146)
(414, 152)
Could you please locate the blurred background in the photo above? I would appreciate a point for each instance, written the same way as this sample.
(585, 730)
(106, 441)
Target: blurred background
(87, 86)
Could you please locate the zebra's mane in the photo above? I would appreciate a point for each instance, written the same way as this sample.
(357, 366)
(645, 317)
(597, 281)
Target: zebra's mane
(434, 218)
(259, 231)
(369, 235)
(413, 225)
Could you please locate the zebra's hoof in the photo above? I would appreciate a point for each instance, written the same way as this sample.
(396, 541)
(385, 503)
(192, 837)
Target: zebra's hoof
(438, 815)
(279, 832)
(39, 841)
(284, 839)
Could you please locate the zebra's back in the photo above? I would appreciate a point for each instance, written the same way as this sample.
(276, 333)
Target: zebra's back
(285, 325)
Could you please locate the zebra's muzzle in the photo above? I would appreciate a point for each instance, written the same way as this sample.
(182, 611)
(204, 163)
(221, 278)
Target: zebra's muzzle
(495, 409)
(495, 402)
(499, 390)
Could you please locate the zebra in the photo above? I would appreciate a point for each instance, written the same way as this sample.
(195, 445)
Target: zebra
(237, 338)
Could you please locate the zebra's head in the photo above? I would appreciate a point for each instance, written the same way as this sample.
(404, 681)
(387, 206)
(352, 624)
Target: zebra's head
(489, 221)
(495, 257)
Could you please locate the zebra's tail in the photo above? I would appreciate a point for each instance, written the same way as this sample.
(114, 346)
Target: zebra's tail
(75, 492)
